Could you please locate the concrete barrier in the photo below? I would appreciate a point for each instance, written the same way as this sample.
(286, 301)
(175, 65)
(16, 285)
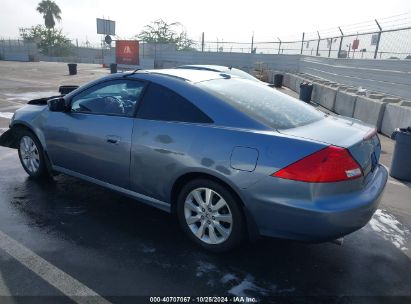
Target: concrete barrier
(326, 97)
(315, 96)
(298, 80)
(370, 111)
(292, 82)
(405, 103)
(269, 75)
(376, 96)
(352, 90)
(286, 80)
(345, 103)
(343, 87)
(395, 116)
(391, 100)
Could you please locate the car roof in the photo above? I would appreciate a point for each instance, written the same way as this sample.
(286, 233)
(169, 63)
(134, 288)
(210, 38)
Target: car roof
(210, 67)
(189, 75)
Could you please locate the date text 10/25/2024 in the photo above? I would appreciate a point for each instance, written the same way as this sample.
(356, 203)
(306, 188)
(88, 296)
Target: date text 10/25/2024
(235, 299)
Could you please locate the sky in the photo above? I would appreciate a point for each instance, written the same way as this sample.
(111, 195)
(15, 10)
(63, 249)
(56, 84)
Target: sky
(230, 20)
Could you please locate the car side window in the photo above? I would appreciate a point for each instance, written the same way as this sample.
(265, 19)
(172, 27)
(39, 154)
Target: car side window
(117, 97)
(160, 103)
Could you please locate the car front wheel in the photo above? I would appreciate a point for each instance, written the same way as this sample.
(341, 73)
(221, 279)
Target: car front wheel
(31, 155)
(210, 215)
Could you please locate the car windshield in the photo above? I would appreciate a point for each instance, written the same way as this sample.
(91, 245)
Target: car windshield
(265, 104)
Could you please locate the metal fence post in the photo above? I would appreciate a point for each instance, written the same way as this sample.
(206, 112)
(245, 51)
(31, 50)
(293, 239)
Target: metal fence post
(252, 43)
(318, 44)
(341, 41)
(378, 39)
(78, 52)
(302, 43)
(279, 46)
(144, 46)
(202, 42)
(329, 49)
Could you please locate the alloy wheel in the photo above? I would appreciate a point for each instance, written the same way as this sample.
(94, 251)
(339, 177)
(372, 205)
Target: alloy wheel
(29, 154)
(208, 215)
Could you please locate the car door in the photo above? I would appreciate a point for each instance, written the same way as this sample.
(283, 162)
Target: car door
(94, 137)
(164, 129)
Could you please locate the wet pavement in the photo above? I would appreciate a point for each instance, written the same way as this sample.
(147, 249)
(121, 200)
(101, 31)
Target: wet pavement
(120, 248)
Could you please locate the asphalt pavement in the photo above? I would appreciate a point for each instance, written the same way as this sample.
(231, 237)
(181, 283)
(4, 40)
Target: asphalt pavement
(68, 241)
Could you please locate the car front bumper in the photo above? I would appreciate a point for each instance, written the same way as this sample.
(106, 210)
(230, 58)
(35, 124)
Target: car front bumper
(313, 212)
(8, 139)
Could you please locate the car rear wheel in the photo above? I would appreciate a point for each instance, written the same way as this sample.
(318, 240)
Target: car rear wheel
(31, 155)
(210, 215)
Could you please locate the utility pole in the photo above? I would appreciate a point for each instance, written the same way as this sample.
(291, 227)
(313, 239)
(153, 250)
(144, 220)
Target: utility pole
(279, 46)
(202, 42)
(341, 41)
(378, 39)
(252, 43)
(329, 48)
(302, 43)
(318, 44)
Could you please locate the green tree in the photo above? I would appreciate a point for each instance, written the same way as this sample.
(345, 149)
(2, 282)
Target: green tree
(50, 11)
(184, 43)
(49, 41)
(159, 31)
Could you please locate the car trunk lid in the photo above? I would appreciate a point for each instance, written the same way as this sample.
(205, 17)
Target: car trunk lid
(361, 140)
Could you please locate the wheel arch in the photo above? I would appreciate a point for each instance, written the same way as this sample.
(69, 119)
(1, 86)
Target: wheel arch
(36, 131)
(14, 135)
(251, 226)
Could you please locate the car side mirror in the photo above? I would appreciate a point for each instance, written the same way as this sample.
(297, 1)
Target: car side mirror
(57, 104)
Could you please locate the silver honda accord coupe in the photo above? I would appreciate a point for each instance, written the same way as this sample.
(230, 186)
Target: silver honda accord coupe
(230, 158)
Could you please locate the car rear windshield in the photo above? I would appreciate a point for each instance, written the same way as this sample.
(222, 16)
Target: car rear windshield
(265, 104)
(241, 74)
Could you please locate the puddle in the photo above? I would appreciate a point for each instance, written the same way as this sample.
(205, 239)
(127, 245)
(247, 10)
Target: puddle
(204, 268)
(238, 283)
(74, 210)
(247, 288)
(7, 115)
(147, 249)
(29, 95)
(390, 228)
(228, 277)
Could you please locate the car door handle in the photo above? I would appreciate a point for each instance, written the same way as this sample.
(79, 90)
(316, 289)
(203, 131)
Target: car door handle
(111, 139)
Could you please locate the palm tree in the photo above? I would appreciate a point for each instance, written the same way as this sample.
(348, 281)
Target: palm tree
(50, 11)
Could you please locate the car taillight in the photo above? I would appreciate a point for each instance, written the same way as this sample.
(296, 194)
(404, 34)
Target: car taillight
(331, 164)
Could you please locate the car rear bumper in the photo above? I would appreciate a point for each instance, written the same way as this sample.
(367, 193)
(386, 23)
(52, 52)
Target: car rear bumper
(313, 212)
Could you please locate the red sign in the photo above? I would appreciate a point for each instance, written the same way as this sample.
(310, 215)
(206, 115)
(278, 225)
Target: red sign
(127, 52)
(355, 44)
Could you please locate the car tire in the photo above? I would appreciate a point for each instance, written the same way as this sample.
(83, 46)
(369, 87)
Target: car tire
(215, 223)
(31, 155)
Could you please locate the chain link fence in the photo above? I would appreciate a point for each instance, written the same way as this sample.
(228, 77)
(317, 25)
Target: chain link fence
(366, 40)
(384, 44)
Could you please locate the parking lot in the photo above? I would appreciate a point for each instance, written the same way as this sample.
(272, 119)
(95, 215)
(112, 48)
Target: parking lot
(67, 237)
